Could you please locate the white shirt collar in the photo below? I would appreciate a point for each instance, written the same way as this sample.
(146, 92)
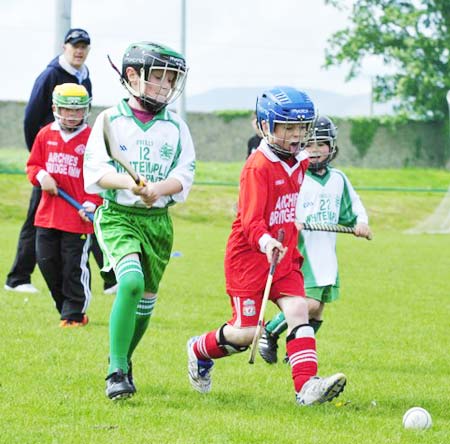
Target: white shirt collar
(81, 74)
(66, 135)
(265, 149)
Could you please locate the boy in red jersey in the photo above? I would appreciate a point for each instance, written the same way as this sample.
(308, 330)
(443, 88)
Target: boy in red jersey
(63, 234)
(269, 186)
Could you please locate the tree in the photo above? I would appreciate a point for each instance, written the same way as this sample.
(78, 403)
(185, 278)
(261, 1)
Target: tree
(411, 36)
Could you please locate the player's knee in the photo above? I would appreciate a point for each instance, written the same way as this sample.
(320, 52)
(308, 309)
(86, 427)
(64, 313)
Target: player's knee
(234, 340)
(296, 312)
(132, 282)
(314, 307)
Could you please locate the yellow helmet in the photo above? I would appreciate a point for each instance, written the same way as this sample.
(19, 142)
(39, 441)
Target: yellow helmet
(71, 96)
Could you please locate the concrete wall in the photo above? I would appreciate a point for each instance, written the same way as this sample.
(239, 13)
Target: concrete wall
(217, 139)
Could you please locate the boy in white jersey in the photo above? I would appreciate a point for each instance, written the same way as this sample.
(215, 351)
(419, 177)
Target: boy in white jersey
(133, 226)
(326, 196)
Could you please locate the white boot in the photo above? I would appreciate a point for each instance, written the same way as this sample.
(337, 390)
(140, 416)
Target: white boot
(319, 390)
(199, 370)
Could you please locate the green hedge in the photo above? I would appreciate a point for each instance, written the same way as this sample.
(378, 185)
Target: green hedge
(368, 142)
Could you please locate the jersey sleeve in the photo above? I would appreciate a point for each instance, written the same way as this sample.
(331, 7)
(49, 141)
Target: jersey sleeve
(184, 165)
(36, 160)
(352, 210)
(96, 160)
(300, 215)
(253, 196)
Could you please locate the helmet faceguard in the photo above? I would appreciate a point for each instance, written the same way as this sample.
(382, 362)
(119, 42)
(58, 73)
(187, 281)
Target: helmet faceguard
(162, 74)
(325, 131)
(71, 96)
(284, 105)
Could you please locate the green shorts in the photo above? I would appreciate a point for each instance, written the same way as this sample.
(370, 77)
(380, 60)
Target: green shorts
(123, 230)
(326, 294)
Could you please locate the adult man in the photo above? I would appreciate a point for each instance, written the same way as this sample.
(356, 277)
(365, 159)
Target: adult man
(68, 67)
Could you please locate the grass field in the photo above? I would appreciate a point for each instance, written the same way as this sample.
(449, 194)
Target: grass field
(387, 333)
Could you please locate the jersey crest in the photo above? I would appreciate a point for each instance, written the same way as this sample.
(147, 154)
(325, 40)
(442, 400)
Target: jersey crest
(249, 308)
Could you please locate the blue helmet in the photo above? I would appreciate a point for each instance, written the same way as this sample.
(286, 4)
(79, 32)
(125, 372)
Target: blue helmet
(283, 104)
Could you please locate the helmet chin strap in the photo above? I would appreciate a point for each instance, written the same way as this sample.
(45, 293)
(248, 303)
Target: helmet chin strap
(67, 128)
(149, 106)
(280, 152)
(317, 166)
(70, 129)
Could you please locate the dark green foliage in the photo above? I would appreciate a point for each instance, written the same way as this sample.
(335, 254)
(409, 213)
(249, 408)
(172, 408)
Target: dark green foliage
(362, 133)
(230, 115)
(412, 38)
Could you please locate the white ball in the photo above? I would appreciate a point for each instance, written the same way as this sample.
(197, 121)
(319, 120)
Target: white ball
(417, 418)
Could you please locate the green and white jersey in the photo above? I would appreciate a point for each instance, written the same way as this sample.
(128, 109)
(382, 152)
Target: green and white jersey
(325, 199)
(157, 150)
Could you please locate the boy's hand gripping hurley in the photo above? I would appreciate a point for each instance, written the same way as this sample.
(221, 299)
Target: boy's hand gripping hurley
(114, 152)
(259, 326)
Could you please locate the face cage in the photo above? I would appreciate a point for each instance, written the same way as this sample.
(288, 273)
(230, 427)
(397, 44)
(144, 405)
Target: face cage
(331, 142)
(279, 150)
(151, 103)
(58, 117)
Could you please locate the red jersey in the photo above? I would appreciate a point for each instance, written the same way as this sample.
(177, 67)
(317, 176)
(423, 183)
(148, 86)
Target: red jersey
(267, 199)
(60, 154)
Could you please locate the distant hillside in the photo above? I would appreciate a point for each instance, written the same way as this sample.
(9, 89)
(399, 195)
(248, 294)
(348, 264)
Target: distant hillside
(327, 102)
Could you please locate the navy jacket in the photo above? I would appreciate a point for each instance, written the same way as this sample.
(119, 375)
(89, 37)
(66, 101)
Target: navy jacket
(38, 111)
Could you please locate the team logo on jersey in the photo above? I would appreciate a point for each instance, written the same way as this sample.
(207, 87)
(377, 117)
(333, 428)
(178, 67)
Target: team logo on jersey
(123, 148)
(279, 182)
(80, 149)
(248, 308)
(166, 152)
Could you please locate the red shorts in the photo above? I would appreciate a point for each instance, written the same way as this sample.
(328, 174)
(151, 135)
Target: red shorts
(246, 309)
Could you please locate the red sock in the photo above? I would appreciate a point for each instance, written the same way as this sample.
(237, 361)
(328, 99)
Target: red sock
(207, 347)
(303, 359)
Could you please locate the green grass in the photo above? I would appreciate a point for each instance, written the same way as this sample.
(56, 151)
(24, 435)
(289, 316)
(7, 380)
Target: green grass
(387, 333)
(13, 160)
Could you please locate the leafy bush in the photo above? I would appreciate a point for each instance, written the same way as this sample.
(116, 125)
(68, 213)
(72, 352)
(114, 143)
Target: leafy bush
(230, 115)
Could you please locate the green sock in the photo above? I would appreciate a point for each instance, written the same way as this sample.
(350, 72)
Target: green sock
(277, 325)
(315, 324)
(123, 313)
(143, 314)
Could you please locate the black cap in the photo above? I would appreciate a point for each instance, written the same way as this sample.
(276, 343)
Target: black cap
(77, 35)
